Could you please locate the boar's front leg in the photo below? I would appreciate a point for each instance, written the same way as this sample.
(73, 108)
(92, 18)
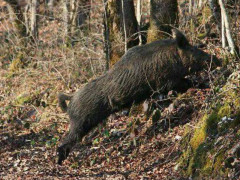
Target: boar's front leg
(182, 85)
(70, 139)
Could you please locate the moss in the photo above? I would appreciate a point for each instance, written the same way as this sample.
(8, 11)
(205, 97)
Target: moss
(198, 137)
(22, 99)
(225, 110)
(212, 123)
(206, 13)
(207, 169)
(205, 159)
(153, 33)
(184, 160)
(17, 63)
(205, 148)
(199, 160)
(238, 132)
(207, 126)
(236, 120)
(218, 161)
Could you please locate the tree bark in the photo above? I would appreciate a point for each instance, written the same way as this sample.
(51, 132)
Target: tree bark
(163, 16)
(139, 20)
(83, 12)
(50, 5)
(33, 20)
(216, 12)
(64, 4)
(74, 15)
(107, 44)
(24, 15)
(120, 15)
(16, 11)
(227, 27)
(223, 32)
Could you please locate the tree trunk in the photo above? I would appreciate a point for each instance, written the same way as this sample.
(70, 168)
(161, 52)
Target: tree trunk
(16, 11)
(33, 20)
(107, 44)
(74, 15)
(123, 27)
(49, 11)
(83, 12)
(139, 20)
(215, 8)
(64, 4)
(79, 13)
(225, 22)
(24, 15)
(163, 16)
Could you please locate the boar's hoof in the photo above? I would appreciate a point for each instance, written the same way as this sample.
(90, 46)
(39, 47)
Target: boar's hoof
(63, 153)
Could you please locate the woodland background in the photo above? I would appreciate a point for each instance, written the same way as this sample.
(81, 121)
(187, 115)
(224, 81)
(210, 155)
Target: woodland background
(55, 46)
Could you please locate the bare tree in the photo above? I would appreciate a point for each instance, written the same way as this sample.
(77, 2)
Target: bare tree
(139, 19)
(74, 15)
(107, 44)
(64, 5)
(50, 5)
(226, 28)
(33, 20)
(83, 12)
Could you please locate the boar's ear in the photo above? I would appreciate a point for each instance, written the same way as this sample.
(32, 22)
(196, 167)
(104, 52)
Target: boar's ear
(181, 40)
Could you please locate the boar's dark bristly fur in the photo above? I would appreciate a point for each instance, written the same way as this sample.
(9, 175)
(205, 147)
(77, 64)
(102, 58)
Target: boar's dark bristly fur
(159, 65)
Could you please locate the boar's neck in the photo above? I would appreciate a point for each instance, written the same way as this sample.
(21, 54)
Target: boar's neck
(187, 60)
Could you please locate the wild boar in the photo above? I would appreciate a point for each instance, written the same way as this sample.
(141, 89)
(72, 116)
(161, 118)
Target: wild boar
(142, 70)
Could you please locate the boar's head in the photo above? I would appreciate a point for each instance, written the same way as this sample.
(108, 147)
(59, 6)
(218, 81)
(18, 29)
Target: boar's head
(192, 57)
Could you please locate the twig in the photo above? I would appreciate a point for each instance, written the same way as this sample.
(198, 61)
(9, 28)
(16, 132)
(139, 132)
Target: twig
(227, 27)
(124, 27)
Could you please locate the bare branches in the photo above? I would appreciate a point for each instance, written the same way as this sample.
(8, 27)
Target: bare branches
(33, 20)
(106, 35)
(124, 28)
(139, 20)
(226, 27)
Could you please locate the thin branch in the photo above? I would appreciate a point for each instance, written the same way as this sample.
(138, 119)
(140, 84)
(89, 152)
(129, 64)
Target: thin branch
(139, 19)
(223, 32)
(124, 27)
(227, 27)
(106, 35)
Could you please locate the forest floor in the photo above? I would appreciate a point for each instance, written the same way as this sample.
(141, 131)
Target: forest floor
(124, 147)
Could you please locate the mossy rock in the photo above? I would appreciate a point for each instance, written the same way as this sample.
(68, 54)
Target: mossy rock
(202, 155)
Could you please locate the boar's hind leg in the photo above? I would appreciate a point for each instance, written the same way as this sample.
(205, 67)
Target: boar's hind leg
(68, 142)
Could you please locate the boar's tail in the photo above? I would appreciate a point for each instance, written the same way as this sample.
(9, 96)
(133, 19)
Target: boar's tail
(62, 101)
